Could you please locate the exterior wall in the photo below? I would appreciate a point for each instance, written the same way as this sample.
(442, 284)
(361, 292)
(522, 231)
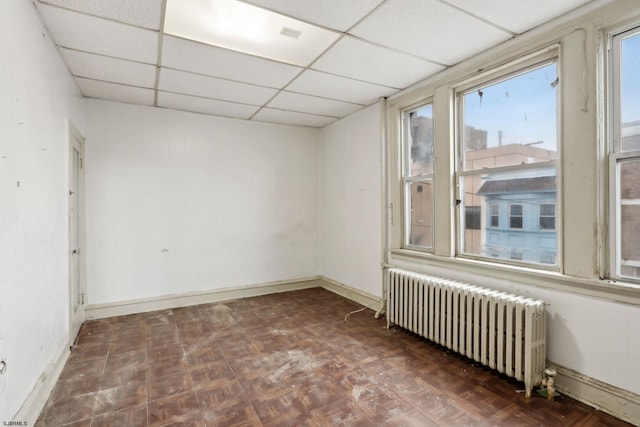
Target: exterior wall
(38, 100)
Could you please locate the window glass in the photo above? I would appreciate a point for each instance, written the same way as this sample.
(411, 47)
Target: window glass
(420, 208)
(495, 215)
(418, 178)
(630, 92)
(472, 218)
(547, 216)
(511, 122)
(515, 218)
(420, 132)
(629, 217)
(508, 166)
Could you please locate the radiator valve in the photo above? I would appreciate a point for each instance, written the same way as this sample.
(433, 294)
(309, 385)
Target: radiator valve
(549, 382)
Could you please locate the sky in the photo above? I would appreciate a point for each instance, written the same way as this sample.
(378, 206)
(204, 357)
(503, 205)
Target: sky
(630, 76)
(522, 107)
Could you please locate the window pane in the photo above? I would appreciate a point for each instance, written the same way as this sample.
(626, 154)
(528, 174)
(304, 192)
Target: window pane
(420, 141)
(547, 217)
(495, 215)
(472, 218)
(630, 92)
(511, 122)
(513, 199)
(516, 210)
(547, 210)
(630, 218)
(515, 216)
(419, 221)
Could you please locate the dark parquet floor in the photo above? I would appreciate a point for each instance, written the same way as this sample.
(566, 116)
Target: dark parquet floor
(284, 360)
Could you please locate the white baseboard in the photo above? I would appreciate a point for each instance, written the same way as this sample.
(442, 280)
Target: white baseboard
(35, 401)
(361, 297)
(122, 308)
(620, 403)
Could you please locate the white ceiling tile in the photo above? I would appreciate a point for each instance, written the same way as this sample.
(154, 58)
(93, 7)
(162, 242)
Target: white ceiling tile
(115, 92)
(292, 118)
(340, 88)
(113, 70)
(430, 29)
(142, 13)
(360, 60)
(204, 105)
(217, 62)
(337, 14)
(211, 87)
(312, 104)
(518, 15)
(82, 32)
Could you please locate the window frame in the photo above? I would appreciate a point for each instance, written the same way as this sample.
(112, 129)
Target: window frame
(515, 68)
(616, 154)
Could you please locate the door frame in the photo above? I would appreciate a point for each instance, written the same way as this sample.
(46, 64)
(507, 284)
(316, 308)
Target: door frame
(77, 270)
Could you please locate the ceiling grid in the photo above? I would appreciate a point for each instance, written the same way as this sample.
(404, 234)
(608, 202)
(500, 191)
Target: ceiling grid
(320, 60)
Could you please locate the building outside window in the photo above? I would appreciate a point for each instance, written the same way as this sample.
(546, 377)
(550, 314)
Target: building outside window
(507, 164)
(624, 159)
(418, 177)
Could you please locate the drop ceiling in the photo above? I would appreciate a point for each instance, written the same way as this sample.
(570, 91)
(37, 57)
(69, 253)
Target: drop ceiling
(322, 60)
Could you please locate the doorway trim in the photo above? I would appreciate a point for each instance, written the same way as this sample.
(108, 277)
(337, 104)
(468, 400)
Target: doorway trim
(77, 271)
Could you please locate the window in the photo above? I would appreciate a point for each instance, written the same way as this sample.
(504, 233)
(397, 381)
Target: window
(507, 162)
(472, 218)
(495, 215)
(625, 156)
(515, 216)
(418, 176)
(547, 216)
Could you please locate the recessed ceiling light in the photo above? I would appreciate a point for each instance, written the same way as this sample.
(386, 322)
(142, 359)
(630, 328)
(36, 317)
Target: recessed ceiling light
(246, 28)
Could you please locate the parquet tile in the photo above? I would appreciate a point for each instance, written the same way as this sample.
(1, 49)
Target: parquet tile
(284, 360)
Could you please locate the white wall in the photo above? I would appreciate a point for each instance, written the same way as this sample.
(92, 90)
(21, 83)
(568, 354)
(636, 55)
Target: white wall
(38, 95)
(350, 201)
(180, 202)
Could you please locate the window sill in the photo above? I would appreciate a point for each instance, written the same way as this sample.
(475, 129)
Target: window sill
(624, 292)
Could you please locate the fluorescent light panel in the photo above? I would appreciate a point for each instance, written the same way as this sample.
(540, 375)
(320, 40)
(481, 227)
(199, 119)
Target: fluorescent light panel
(246, 28)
